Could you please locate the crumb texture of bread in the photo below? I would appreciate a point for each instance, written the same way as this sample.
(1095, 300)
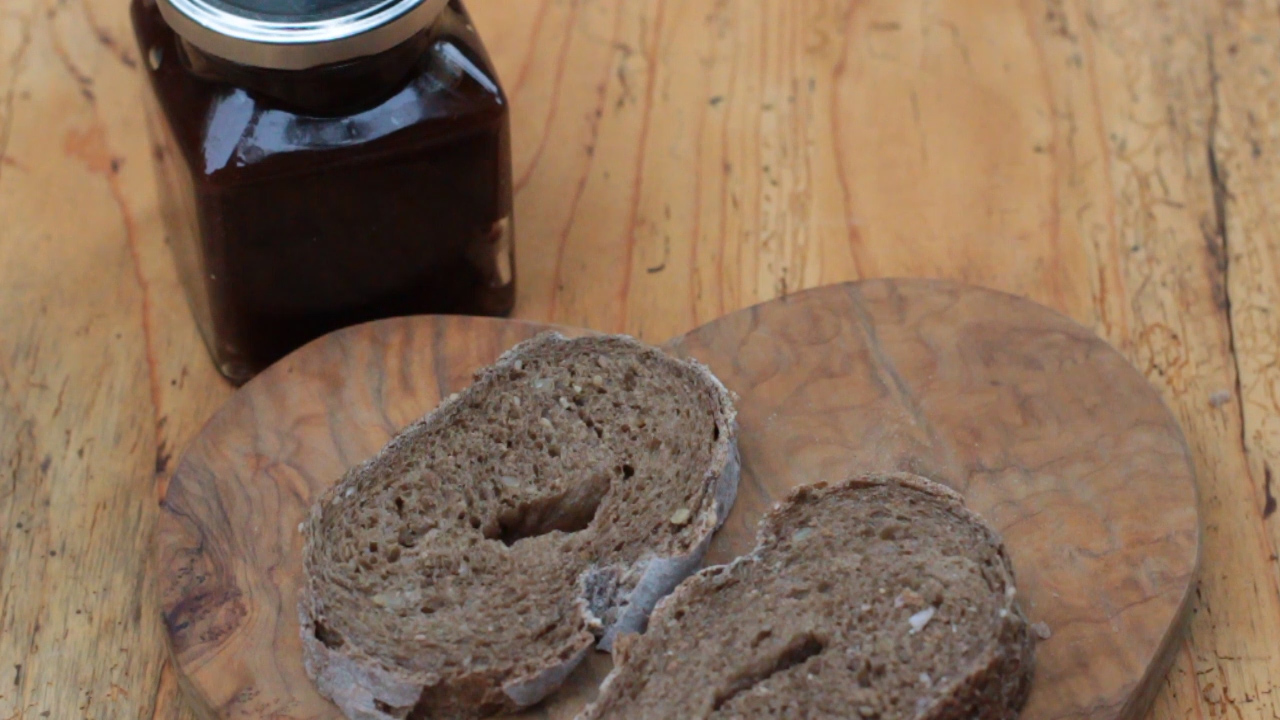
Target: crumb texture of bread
(878, 597)
(468, 567)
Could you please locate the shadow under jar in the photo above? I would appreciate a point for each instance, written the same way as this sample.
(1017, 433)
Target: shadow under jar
(326, 162)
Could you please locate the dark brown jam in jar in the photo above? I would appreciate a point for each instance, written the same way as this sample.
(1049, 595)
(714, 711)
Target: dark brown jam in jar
(326, 162)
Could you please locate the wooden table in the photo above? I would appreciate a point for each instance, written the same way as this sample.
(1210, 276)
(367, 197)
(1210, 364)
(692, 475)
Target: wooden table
(676, 160)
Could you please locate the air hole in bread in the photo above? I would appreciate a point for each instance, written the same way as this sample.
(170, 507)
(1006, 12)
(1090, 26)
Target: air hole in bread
(569, 512)
(797, 593)
(794, 653)
(330, 638)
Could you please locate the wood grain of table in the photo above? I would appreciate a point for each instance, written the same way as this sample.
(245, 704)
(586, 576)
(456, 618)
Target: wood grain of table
(676, 160)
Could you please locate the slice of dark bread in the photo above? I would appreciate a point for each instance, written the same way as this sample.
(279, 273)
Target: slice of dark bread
(879, 597)
(472, 563)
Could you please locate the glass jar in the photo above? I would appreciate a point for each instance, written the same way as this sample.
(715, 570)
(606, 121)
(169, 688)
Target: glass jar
(326, 162)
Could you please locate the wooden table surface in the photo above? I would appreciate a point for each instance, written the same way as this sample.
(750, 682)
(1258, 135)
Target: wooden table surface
(678, 159)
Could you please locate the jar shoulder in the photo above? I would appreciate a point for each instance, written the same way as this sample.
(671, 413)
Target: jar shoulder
(227, 131)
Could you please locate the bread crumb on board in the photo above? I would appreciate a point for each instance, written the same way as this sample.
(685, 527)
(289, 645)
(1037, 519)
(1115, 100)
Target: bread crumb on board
(1042, 631)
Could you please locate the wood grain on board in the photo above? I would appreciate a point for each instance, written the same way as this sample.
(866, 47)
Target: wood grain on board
(1115, 160)
(1048, 432)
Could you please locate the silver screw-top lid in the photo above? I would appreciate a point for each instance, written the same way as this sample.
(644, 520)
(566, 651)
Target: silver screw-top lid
(297, 34)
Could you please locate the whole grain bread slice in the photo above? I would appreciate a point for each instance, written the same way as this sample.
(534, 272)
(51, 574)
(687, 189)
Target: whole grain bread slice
(472, 563)
(878, 597)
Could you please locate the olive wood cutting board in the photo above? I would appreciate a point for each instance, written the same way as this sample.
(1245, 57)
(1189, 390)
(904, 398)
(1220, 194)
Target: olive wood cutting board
(1047, 431)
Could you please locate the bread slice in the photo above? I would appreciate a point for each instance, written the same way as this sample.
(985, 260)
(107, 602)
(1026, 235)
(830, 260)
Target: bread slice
(879, 597)
(469, 566)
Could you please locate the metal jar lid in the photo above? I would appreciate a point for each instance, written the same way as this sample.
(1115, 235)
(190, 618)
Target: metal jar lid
(297, 34)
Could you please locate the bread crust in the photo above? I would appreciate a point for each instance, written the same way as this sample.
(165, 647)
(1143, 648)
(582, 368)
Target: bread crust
(366, 687)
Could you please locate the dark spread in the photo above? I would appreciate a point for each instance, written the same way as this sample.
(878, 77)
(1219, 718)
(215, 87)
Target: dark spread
(299, 201)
